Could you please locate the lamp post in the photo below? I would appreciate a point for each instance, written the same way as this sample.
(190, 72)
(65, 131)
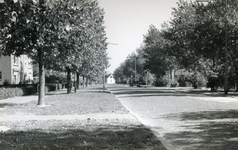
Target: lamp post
(131, 57)
(104, 68)
(226, 47)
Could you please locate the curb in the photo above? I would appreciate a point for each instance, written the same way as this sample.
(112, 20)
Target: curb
(165, 143)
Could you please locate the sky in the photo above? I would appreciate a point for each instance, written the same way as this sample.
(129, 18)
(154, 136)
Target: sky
(126, 22)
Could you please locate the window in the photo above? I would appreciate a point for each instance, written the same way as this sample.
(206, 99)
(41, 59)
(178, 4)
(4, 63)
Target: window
(0, 76)
(15, 76)
(15, 60)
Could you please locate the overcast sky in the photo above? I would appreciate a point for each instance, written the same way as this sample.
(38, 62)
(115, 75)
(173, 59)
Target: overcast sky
(127, 21)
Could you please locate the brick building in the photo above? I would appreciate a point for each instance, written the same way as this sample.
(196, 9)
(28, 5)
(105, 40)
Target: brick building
(15, 69)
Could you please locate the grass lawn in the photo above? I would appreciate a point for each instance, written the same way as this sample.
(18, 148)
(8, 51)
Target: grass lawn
(75, 133)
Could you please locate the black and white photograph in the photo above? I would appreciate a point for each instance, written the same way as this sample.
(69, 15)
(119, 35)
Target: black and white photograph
(118, 74)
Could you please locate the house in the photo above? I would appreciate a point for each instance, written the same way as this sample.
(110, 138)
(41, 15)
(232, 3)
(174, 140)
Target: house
(15, 69)
(110, 79)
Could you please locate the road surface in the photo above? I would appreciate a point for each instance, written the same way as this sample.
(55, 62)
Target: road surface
(184, 119)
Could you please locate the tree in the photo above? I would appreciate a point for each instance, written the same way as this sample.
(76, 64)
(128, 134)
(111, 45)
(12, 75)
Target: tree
(28, 29)
(197, 35)
(54, 33)
(155, 51)
(85, 39)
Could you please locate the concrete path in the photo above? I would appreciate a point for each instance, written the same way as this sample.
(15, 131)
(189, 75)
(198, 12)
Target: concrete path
(19, 100)
(96, 116)
(26, 99)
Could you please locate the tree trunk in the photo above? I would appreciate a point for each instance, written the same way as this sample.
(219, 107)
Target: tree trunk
(236, 70)
(87, 81)
(77, 80)
(75, 86)
(83, 82)
(146, 78)
(68, 81)
(41, 96)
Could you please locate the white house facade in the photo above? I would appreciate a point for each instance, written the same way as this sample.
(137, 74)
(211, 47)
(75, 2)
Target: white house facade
(15, 69)
(111, 80)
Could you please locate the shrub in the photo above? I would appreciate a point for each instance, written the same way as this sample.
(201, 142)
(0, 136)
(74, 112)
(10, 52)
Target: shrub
(50, 87)
(198, 80)
(6, 83)
(214, 82)
(161, 81)
(10, 92)
(30, 89)
(182, 81)
(173, 83)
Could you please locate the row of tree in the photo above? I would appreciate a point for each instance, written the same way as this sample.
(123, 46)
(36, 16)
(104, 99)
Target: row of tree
(196, 39)
(63, 35)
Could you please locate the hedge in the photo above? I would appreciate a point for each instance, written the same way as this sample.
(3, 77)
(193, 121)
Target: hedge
(28, 89)
(11, 92)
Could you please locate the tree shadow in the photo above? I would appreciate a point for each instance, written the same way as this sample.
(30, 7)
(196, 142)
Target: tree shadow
(211, 130)
(55, 93)
(101, 91)
(141, 92)
(3, 105)
(103, 137)
(139, 88)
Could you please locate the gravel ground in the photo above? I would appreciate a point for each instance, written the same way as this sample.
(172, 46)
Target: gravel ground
(88, 119)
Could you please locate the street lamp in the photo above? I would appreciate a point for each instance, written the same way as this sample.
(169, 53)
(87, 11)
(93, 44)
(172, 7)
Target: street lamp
(226, 47)
(131, 57)
(104, 68)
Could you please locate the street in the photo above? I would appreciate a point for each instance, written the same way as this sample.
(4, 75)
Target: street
(184, 119)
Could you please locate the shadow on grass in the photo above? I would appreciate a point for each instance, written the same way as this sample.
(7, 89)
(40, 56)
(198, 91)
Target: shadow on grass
(56, 93)
(142, 92)
(101, 91)
(138, 88)
(7, 105)
(207, 133)
(107, 137)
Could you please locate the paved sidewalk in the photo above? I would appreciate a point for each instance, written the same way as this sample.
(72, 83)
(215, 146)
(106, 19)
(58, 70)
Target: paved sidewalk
(96, 116)
(19, 100)
(26, 99)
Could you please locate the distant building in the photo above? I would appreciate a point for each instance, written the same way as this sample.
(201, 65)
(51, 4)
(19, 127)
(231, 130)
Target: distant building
(15, 69)
(110, 79)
